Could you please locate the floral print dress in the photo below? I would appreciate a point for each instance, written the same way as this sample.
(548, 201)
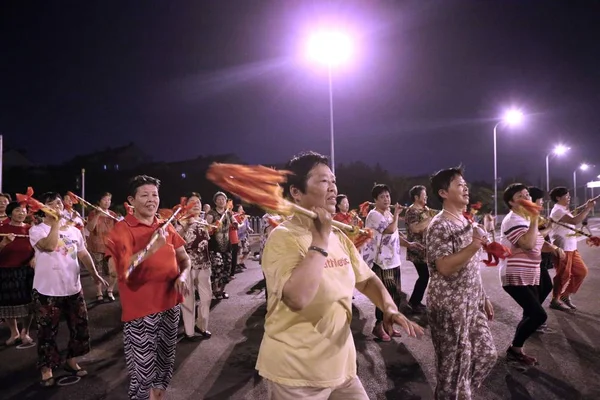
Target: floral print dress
(220, 249)
(464, 347)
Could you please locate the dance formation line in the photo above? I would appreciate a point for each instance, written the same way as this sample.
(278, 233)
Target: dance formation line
(315, 251)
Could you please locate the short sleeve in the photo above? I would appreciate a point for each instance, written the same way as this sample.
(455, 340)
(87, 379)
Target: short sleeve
(438, 242)
(119, 246)
(80, 241)
(36, 233)
(558, 213)
(362, 272)
(411, 217)
(376, 220)
(176, 239)
(282, 253)
(514, 229)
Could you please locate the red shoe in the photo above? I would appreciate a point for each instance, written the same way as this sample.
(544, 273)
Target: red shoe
(380, 333)
(521, 358)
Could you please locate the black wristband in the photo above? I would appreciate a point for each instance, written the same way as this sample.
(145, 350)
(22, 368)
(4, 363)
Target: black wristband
(319, 250)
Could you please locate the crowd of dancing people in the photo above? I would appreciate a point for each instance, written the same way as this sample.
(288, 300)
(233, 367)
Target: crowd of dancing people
(163, 271)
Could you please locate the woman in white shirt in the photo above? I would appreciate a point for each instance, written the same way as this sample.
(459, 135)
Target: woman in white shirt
(382, 253)
(57, 290)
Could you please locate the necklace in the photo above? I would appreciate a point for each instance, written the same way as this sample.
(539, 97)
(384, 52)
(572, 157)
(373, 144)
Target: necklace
(461, 220)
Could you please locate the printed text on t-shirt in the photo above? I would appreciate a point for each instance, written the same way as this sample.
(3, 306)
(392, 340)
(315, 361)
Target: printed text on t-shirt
(333, 262)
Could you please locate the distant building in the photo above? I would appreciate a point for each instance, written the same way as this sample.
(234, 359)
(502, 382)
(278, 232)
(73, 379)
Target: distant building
(112, 159)
(15, 158)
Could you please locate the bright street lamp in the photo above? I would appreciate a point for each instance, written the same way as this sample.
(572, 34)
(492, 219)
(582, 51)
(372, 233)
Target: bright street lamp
(330, 48)
(583, 167)
(558, 150)
(511, 117)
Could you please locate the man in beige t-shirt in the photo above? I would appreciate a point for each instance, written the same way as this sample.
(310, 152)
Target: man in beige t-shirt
(311, 271)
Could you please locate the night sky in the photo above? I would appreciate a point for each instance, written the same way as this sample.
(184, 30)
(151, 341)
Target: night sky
(206, 77)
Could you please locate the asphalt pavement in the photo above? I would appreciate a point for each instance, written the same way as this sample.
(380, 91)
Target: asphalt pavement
(223, 366)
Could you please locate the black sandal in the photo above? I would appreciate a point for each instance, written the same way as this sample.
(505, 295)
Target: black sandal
(76, 372)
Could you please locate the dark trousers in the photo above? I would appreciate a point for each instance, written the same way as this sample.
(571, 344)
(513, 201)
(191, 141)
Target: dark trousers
(545, 287)
(420, 285)
(392, 282)
(534, 314)
(235, 249)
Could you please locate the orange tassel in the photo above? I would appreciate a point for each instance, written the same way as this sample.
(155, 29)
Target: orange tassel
(530, 208)
(33, 204)
(73, 197)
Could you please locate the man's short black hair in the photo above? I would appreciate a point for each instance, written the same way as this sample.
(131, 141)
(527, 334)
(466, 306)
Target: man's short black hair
(442, 179)
(300, 165)
(416, 191)
(49, 197)
(510, 191)
(379, 188)
(194, 194)
(558, 192)
(103, 195)
(11, 207)
(536, 193)
(141, 180)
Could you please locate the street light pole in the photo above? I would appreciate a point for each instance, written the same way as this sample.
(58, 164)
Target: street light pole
(331, 119)
(511, 117)
(548, 183)
(330, 48)
(495, 173)
(575, 188)
(559, 150)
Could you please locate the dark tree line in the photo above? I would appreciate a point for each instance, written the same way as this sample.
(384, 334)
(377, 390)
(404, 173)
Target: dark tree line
(180, 178)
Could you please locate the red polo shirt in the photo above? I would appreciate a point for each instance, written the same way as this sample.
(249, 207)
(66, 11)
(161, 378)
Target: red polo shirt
(150, 287)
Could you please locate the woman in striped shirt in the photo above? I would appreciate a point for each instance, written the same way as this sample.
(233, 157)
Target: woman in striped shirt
(520, 273)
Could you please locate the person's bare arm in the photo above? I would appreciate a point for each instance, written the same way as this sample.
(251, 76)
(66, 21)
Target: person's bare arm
(576, 220)
(453, 263)
(303, 284)
(50, 242)
(528, 240)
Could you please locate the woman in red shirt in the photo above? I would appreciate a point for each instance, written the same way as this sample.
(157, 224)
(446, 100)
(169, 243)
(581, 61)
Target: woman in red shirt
(342, 213)
(151, 294)
(16, 274)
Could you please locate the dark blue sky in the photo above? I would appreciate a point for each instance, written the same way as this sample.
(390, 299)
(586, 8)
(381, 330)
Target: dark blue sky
(184, 78)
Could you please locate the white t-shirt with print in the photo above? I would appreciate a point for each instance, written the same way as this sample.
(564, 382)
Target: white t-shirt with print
(561, 236)
(57, 272)
(383, 249)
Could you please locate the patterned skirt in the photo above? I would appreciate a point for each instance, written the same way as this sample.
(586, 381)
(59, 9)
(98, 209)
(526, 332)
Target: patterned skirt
(16, 284)
(221, 267)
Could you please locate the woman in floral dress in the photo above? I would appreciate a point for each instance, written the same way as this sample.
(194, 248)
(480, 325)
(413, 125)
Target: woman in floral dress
(196, 239)
(219, 245)
(457, 306)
